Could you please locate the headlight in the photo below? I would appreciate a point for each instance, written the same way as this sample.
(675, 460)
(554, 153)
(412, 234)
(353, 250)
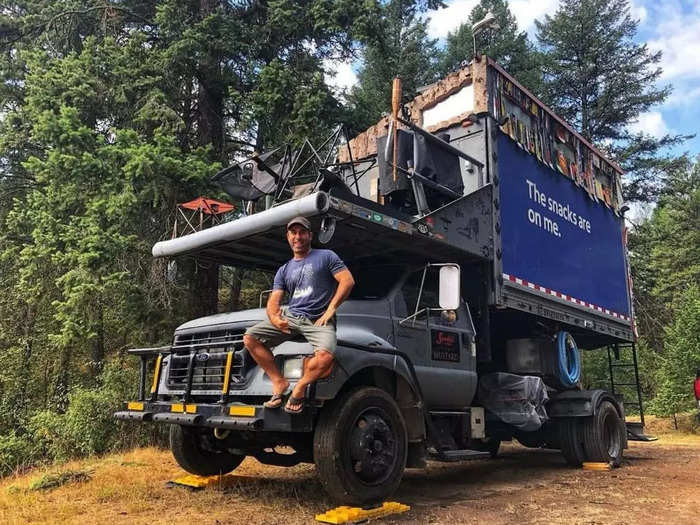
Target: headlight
(293, 367)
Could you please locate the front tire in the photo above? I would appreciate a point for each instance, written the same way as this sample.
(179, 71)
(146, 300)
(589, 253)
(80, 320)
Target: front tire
(195, 452)
(360, 447)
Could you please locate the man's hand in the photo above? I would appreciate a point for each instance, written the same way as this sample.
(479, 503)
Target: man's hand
(281, 323)
(327, 316)
(274, 312)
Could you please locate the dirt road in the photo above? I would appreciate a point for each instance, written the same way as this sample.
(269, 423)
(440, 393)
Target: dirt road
(659, 483)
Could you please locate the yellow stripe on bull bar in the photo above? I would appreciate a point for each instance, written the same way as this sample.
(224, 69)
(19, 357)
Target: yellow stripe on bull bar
(156, 374)
(134, 405)
(179, 407)
(242, 410)
(227, 373)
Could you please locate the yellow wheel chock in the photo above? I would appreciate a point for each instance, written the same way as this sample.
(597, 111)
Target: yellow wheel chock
(596, 466)
(201, 482)
(354, 514)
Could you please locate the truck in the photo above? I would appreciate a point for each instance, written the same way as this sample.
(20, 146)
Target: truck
(487, 241)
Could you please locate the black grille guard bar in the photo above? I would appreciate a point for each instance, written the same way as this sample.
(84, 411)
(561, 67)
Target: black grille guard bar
(146, 354)
(212, 344)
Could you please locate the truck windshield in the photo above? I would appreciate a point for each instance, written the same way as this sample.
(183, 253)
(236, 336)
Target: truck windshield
(374, 282)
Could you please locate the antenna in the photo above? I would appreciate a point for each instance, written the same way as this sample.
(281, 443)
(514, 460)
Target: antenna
(488, 22)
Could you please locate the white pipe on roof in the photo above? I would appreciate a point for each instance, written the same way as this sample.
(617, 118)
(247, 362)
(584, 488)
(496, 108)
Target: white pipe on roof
(245, 226)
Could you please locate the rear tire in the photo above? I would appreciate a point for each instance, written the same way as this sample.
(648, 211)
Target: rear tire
(604, 435)
(360, 447)
(194, 452)
(571, 439)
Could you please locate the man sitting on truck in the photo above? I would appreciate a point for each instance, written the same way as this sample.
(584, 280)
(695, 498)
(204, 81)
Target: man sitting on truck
(317, 282)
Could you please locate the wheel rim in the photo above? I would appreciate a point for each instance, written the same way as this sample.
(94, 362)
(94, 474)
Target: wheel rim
(373, 447)
(611, 435)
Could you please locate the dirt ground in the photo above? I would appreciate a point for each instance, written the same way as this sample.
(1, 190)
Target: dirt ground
(658, 483)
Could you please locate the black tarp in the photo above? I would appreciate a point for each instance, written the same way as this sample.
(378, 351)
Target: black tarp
(436, 163)
(248, 180)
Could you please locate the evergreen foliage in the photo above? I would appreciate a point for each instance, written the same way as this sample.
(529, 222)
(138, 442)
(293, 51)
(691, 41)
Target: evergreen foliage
(400, 48)
(507, 45)
(665, 253)
(600, 80)
(113, 112)
(681, 356)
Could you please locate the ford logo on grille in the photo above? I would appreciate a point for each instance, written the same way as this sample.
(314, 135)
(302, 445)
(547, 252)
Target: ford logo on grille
(202, 357)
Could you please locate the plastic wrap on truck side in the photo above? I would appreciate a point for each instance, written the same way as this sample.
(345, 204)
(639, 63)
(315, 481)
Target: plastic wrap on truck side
(556, 237)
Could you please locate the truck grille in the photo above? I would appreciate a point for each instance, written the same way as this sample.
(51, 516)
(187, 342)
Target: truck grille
(208, 351)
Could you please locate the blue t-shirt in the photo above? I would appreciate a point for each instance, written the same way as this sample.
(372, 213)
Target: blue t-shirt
(309, 282)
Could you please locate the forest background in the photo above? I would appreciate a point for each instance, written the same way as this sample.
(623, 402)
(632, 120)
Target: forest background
(112, 112)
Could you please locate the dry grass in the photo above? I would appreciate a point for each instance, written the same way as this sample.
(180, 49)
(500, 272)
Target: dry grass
(663, 428)
(130, 488)
(524, 485)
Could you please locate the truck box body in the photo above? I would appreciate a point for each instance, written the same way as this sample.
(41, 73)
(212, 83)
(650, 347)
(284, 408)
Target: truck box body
(557, 240)
(557, 246)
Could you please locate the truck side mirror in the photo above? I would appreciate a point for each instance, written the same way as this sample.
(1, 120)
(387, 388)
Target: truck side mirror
(449, 287)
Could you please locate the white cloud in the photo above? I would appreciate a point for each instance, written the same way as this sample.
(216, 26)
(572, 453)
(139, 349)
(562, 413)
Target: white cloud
(450, 18)
(457, 12)
(638, 12)
(683, 97)
(676, 36)
(651, 123)
(340, 74)
(526, 12)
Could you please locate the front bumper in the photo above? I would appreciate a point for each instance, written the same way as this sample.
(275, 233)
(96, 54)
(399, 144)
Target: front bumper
(234, 416)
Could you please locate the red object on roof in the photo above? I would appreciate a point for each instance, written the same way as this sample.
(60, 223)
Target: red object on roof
(208, 206)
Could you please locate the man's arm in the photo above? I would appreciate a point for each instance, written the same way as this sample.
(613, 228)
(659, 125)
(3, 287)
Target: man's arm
(345, 284)
(273, 310)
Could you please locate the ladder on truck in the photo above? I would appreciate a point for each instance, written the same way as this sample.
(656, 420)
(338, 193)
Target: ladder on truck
(624, 382)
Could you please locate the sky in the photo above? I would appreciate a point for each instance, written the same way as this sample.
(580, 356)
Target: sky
(669, 26)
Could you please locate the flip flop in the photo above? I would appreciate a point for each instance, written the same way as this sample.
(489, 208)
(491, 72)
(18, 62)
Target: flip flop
(277, 399)
(301, 401)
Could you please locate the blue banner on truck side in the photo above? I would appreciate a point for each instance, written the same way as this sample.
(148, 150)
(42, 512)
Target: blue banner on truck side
(555, 236)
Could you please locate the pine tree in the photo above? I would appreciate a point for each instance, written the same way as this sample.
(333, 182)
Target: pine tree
(507, 45)
(681, 356)
(113, 113)
(600, 80)
(402, 48)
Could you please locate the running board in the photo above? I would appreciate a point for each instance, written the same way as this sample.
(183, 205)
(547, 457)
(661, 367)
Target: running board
(635, 432)
(450, 456)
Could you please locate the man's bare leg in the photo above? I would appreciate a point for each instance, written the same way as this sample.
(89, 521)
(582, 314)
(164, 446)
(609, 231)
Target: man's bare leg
(263, 356)
(316, 368)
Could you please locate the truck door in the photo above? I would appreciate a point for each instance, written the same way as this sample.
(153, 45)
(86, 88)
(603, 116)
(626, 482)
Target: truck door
(440, 343)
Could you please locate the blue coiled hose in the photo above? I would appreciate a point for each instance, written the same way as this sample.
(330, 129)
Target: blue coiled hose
(569, 361)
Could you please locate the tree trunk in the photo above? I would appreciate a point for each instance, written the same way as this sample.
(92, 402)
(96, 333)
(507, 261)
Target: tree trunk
(207, 289)
(210, 132)
(62, 383)
(210, 94)
(236, 286)
(98, 348)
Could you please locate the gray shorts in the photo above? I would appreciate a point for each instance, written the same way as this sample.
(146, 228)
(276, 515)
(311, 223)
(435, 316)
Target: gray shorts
(320, 337)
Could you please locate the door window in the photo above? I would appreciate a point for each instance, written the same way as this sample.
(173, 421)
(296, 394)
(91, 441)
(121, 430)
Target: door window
(407, 298)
